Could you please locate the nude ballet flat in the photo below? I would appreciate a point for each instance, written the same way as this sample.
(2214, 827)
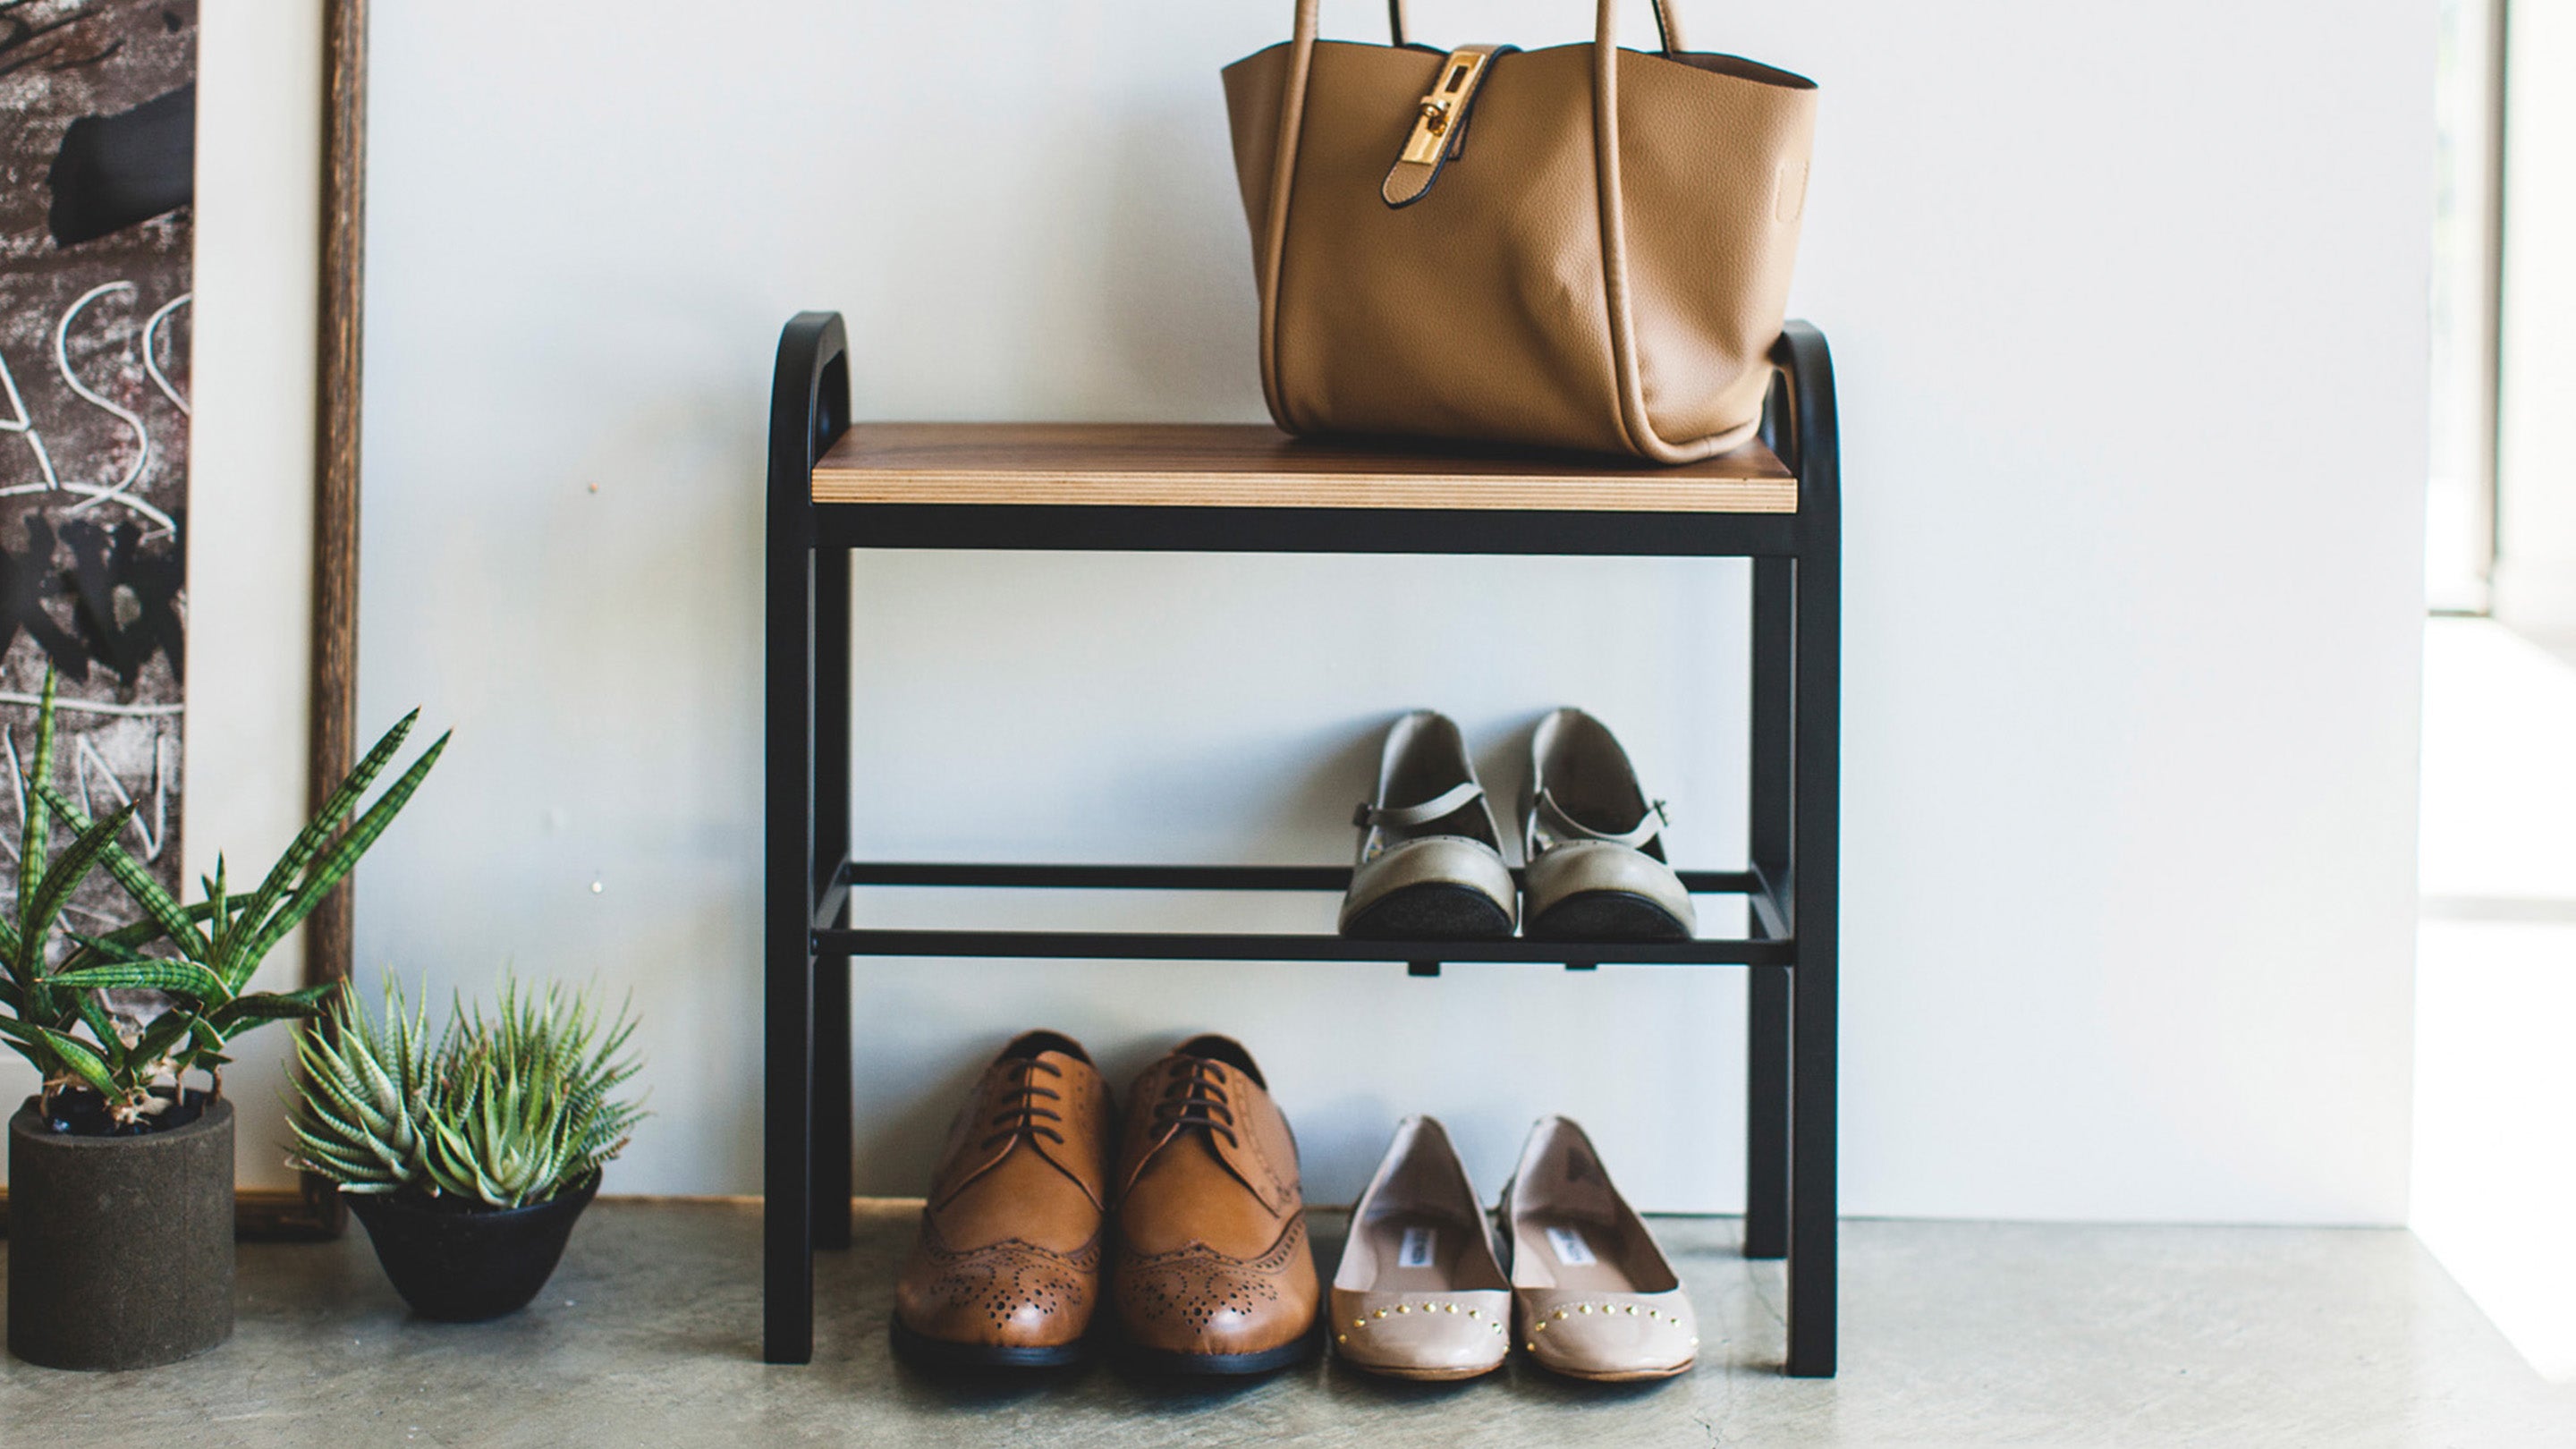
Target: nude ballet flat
(1593, 1295)
(1420, 1294)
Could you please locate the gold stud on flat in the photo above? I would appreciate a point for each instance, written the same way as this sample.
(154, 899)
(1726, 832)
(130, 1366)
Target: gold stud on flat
(1341, 1338)
(1381, 1313)
(1359, 1323)
(1475, 1313)
(1448, 1307)
(1404, 1308)
(1541, 1327)
(1632, 1310)
(1529, 1348)
(1587, 1308)
(1560, 1313)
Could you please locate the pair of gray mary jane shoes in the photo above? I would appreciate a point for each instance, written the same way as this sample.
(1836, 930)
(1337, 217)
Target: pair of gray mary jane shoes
(1431, 862)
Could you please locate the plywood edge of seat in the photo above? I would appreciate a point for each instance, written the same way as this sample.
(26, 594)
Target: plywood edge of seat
(1221, 465)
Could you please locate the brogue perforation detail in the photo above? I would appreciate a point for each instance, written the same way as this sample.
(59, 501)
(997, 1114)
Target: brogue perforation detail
(1002, 1280)
(1196, 1285)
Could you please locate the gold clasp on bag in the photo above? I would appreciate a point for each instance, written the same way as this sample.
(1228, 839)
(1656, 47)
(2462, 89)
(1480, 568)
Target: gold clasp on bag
(1458, 77)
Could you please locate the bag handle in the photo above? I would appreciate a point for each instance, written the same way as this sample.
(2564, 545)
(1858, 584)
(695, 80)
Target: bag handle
(1627, 377)
(1667, 29)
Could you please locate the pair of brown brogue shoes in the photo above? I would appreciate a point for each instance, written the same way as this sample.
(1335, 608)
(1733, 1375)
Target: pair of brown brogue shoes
(1190, 1213)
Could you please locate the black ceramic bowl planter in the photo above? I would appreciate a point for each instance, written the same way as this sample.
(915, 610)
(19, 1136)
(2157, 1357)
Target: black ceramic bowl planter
(464, 1265)
(120, 1248)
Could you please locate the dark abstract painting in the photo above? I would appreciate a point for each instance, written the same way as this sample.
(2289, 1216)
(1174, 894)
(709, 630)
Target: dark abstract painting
(97, 157)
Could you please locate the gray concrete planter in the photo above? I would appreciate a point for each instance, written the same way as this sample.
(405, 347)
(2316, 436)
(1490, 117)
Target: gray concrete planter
(120, 1248)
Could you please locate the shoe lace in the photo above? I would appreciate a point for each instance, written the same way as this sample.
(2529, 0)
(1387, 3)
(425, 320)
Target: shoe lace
(1196, 1097)
(1020, 1114)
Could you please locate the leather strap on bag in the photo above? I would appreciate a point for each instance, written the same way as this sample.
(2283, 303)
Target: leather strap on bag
(1667, 29)
(1613, 229)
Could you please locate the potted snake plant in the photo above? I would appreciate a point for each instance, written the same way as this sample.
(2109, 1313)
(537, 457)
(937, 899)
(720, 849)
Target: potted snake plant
(468, 1156)
(121, 1166)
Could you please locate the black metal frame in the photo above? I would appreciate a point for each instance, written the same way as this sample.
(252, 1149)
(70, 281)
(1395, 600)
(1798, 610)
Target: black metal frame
(1790, 880)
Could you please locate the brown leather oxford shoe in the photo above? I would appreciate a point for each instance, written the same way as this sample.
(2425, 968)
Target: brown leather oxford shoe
(1006, 1269)
(1212, 1273)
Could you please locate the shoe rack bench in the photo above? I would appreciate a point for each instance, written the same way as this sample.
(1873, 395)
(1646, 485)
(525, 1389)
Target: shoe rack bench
(836, 488)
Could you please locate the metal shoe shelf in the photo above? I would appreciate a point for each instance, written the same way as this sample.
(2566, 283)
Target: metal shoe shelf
(835, 489)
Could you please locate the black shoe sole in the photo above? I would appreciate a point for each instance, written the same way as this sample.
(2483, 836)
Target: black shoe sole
(939, 1353)
(1607, 916)
(1431, 911)
(1270, 1360)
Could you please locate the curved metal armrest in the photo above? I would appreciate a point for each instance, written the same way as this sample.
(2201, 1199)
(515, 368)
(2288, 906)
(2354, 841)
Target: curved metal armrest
(809, 405)
(1798, 421)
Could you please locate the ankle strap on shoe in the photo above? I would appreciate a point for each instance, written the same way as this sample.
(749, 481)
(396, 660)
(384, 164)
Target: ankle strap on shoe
(1448, 802)
(1553, 819)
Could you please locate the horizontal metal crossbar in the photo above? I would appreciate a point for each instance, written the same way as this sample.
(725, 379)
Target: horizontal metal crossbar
(1281, 946)
(831, 937)
(1177, 877)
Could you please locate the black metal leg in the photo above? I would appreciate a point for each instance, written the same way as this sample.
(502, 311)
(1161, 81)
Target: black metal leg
(834, 1129)
(834, 1126)
(809, 407)
(1815, 867)
(787, 1231)
(1766, 1125)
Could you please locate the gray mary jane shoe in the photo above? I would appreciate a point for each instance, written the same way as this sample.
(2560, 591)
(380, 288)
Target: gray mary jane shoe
(1430, 860)
(1594, 843)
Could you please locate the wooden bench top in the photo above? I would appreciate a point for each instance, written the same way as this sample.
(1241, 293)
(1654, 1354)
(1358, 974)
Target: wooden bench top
(1229, 465)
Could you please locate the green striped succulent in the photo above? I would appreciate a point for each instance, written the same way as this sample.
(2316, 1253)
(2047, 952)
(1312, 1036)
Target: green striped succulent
(504, 1111)
(195, 962)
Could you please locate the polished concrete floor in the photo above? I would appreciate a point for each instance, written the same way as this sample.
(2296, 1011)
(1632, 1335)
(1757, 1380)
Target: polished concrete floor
(1954, 1334)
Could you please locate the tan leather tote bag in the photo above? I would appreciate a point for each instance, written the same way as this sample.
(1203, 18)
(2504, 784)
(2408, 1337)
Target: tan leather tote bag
(1578, 247)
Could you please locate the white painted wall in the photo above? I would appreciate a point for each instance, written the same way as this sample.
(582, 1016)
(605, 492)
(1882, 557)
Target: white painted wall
(2128, 302)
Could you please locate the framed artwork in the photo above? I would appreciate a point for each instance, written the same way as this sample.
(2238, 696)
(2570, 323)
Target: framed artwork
(98, 206)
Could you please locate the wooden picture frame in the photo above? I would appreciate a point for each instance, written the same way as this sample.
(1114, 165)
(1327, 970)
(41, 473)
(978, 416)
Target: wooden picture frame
(312, 1209)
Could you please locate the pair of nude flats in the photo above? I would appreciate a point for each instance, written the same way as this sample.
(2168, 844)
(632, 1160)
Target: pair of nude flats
(1424, 1291)
(1431, 861)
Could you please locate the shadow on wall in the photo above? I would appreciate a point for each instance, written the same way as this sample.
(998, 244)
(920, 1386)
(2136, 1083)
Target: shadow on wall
(1177, 309)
